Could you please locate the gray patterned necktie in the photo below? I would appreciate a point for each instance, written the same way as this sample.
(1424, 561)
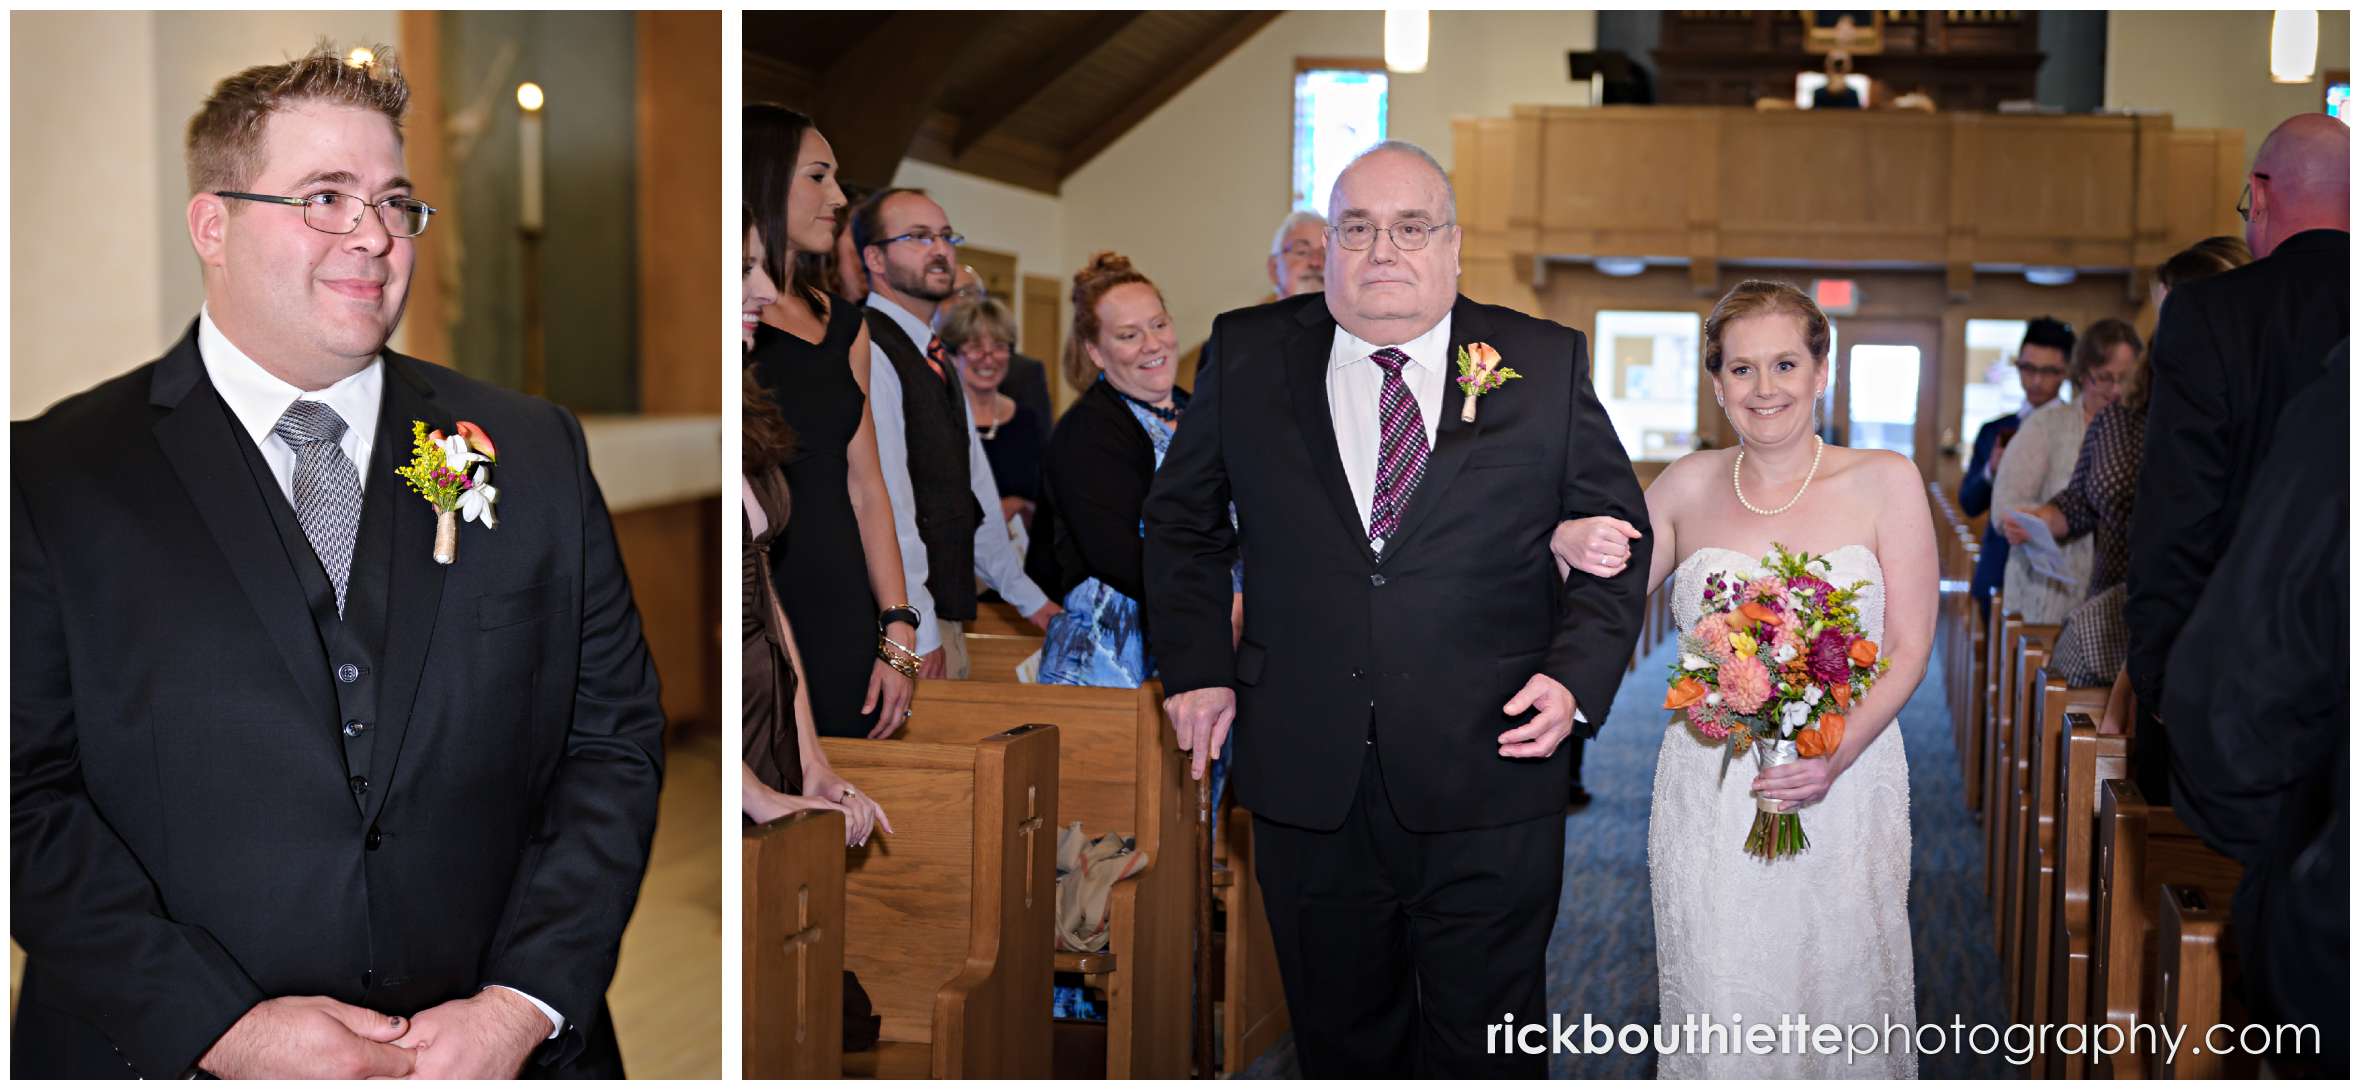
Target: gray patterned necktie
(327, 490)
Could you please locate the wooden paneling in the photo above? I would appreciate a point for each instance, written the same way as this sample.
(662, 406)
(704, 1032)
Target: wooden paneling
(1042, 332)
(669, 554)
(426, 332)
(681, 334)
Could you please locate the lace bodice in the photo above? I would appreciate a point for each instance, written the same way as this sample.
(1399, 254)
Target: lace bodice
(1847, 565)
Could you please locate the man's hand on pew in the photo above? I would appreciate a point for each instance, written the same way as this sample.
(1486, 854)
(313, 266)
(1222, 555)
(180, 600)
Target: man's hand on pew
(1200, 722)
(1040, 617)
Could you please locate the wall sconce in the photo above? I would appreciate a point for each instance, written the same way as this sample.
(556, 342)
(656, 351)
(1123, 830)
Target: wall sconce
(1406, 34)
(1620, 266)
(2294, 46)
(2049, 276)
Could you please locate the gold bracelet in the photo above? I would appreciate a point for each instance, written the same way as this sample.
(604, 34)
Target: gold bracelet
(902, 659)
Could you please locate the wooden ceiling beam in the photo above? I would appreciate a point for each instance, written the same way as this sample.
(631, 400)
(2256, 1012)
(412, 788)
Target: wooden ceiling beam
(871, 101)
(1030, 79)
(1106, 132)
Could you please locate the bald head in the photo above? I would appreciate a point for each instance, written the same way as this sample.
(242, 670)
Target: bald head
(2302, 181)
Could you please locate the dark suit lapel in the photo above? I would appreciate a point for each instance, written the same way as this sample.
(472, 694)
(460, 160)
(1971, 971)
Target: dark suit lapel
(1306, 362)
(202, 441)
(1453, 438)
(414, 582)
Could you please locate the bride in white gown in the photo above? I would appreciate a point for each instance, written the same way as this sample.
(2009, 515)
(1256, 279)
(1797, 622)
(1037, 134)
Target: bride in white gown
(1820, 938)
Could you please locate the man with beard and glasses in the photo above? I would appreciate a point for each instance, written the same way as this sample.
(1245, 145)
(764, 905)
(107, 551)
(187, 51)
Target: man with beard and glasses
(295, 791)
(935, 472)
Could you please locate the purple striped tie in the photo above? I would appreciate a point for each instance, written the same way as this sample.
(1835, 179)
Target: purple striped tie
(1401, 447)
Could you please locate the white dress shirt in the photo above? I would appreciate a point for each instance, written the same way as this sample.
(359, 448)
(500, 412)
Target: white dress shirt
(1356, 386)
(258, 398)
(997, 563)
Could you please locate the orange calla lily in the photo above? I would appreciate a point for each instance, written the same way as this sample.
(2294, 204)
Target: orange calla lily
(1864, 653)
(1758, 613)
(1486, 357)
(1684, 692)
(477, 440)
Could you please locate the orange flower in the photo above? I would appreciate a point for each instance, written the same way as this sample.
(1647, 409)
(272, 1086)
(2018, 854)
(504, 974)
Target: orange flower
(1864, 653)
(1842, 695)
(1485, 356)
(477, 440)
(1758, 613)
(1686, 691)
(1808, 743)
(1831, 726)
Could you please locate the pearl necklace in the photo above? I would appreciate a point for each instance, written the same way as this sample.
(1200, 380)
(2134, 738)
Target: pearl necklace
(1819, 447)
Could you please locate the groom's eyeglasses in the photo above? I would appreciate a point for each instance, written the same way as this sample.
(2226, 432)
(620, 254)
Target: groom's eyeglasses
(340, 213)
(2245, 199)
(1406, 235)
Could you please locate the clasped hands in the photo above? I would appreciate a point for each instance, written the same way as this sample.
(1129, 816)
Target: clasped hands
(488, 1035)
(1201, 718)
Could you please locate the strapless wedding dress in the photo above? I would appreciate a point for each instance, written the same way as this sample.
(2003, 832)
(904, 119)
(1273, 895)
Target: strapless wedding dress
(1822, 936)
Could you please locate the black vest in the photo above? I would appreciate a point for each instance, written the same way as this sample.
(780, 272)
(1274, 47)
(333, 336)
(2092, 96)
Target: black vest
(934, 426)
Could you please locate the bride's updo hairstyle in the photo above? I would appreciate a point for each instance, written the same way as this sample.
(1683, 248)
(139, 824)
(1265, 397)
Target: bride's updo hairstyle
(1752, 297)
(1106, 271)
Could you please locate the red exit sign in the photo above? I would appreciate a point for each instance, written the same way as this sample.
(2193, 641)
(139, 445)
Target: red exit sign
(1837, 297)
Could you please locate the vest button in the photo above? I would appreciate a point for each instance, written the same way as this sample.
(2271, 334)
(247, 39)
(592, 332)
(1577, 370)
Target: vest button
(348, 673)
(1358, 673)
(1376, 580)
(354, 727)
(360, 785)
(374, 839)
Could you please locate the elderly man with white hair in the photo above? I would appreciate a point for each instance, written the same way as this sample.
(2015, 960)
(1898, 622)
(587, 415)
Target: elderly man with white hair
(1298, 254)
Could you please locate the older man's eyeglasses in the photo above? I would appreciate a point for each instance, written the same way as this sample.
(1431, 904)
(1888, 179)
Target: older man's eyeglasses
(2245, 200)
(340, 213)
(1406, 235)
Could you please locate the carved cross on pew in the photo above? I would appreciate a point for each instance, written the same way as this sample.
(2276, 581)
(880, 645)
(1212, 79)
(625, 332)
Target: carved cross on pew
(799, 943)
(1026, 828)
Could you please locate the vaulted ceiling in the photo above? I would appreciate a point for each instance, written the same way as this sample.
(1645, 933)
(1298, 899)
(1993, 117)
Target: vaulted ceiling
(1025, 98)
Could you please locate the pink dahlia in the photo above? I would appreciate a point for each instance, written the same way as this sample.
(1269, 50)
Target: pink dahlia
(1830, 660)
(1765, 588)
(1713, 632)
(1745, 685)
(1709, 720)
(1813, 587)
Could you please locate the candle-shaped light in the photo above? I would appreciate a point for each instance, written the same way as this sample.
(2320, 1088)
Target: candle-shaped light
(528, 127)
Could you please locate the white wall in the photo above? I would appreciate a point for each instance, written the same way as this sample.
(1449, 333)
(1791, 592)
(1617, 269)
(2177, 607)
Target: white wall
(1193, 193)
(2211, 69)
(100, 104)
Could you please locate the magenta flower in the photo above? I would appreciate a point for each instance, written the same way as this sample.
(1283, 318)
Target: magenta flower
(1831, 659)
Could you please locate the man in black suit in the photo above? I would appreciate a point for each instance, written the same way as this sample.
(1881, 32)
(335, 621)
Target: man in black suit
(1411, 662)
(2229, 351)
(2263, 749)
(290, 797)
(2040, 368)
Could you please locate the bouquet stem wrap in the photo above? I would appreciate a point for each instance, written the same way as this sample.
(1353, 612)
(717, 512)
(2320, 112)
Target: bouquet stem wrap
(1775, 835)
(446, 537)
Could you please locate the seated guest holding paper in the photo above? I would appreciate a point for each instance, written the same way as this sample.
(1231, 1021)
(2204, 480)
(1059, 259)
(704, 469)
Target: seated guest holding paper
(981, 338)
(2097, 501)
(2039, 462)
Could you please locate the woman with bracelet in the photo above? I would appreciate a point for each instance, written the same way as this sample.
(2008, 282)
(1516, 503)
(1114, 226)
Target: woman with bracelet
(837, 564)
(783, 767)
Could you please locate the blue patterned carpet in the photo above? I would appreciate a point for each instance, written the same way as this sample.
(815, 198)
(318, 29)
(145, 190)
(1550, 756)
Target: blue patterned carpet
(1602, 954)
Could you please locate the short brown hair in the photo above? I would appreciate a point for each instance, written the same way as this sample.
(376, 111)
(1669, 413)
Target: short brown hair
(1106, 271)
(1751, 297)
(225, 136)
(966, 320)
(2096, 343)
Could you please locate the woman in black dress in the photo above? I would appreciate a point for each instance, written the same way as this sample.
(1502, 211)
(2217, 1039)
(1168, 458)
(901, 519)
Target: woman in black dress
(837, 566)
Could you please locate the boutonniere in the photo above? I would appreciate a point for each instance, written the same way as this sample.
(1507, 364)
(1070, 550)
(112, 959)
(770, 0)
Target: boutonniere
(1480, 373)
(453, 473)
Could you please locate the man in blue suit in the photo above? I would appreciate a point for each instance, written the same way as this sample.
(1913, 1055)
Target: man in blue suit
(2040, 366)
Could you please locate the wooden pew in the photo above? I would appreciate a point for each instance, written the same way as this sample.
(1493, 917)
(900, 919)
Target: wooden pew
(1117, 771)
(1254, 1002)
(793, 894)
(2089, 759)
(1001, 619)
(2037, 877)
(2030, 660)
(1974, 659)
(994, 656)
(2142, 848)
(949, 920)
(1997, 757)
(2189, 982)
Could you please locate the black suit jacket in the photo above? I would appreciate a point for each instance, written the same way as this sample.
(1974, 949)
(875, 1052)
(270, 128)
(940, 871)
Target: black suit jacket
(2229, 351)
(1974, 498)
(1100, 466)
(1027, 383)
(191, 833)
(1418, 648)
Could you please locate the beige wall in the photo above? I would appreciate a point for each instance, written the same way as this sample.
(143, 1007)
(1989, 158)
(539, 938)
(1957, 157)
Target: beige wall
(996, 216)
(99, 102)
(2211, 69)
(1193, 193)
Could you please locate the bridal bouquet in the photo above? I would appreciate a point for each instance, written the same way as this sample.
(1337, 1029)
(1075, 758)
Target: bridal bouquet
(1771, 666)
